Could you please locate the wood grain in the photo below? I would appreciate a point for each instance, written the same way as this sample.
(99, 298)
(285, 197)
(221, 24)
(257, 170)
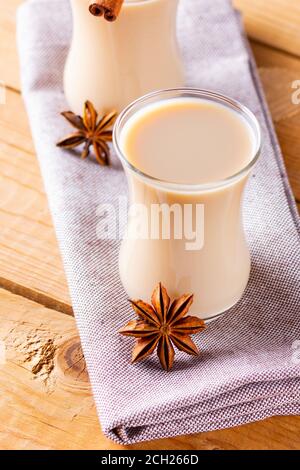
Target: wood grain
(46, 400)
(278, 71)
(30, 263)
(267, 56)
(277, 83)
(274, 22)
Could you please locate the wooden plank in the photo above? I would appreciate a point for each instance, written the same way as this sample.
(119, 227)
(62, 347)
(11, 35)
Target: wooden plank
(278, 71)
(275, 22)
(277, 83)
(14, 126)
(9, 65)
(288, 131)
(55, 410)
(267, 56)
(46, 400)
(30, 263)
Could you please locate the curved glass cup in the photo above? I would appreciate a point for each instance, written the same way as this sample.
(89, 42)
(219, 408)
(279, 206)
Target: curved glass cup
(215, 264)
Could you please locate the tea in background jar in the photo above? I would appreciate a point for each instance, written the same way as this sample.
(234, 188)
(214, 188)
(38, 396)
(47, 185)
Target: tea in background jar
(113, 63)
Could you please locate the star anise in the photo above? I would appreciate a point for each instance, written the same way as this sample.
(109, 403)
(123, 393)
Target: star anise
(91, 131)
(161, 325)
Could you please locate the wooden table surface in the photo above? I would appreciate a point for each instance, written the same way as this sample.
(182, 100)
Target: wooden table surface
(45, 396)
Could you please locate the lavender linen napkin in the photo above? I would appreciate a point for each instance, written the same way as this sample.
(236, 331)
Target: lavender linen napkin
(248, 370)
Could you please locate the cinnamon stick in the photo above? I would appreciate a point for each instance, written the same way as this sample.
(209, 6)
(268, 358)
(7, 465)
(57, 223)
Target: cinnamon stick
(110, 9)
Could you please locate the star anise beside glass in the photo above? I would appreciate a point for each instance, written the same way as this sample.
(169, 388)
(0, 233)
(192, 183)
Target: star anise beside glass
(91, 131)
(163, 326)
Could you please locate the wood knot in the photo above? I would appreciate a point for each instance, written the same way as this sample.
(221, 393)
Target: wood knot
(71, 364)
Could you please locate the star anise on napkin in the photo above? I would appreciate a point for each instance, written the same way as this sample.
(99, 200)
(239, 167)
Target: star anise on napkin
(91, 131)
(161, 325)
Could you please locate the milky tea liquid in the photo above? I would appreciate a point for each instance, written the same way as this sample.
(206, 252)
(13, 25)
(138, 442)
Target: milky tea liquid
(194, 144)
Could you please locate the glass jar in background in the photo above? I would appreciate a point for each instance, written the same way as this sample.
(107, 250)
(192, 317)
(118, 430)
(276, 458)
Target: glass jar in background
(112, 64)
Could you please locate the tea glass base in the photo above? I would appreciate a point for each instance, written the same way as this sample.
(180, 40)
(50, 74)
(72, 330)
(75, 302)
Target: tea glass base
(216, 316)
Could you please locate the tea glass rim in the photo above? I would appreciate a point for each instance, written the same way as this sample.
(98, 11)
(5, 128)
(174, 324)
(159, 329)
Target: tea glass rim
(187, 92)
